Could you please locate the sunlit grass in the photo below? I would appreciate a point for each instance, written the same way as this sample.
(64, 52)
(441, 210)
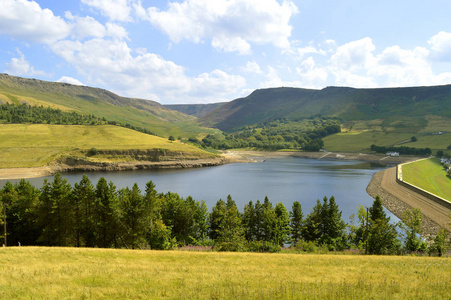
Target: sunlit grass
(27, 145)
(428, 175)
(70, 273)
(362, 140)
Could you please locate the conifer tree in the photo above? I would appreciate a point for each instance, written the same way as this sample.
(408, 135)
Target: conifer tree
(296, 222)
(382, 236)
(83, 202)
(282, 225)
(105, 216)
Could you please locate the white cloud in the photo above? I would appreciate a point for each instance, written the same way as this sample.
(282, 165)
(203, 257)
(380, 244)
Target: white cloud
(230, 24)
(21, 67)
(354, 55)
(252, 67)
(310, 75)
(441, 46)
(28, 21)
(84, 27)
(309, 50)
(115, 10)
(67, 79)
(110, 63)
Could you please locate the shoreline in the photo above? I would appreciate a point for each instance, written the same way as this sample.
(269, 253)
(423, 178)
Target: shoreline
(228, 156)
(26, 173)
(247, 156)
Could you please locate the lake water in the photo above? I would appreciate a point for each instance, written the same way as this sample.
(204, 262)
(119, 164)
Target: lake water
(284, 179)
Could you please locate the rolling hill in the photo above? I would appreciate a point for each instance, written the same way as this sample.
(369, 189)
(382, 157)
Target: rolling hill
(398, 108)
(101, 103)
(36, 145)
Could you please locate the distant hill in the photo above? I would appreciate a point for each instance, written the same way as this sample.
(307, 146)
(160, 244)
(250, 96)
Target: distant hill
(387, 108)
(99, 102)
(196, 110)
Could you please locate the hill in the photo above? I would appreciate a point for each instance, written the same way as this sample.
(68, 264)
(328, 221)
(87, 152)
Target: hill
(101, 103)
(55, 273)
(35, 145)
(196, 110)
(391, 109)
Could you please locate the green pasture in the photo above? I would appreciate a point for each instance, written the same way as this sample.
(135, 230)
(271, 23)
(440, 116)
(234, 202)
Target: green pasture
(27, 145)
(76, 273)
(354, 141)
(429, 175)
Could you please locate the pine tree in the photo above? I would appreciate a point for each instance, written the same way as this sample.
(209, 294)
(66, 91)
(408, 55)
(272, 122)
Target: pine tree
(382, 236)
(216, 219)
(282, 225)
(132, 217)
(83, 202)
(249, 222)
(105, 217)
(269, 221)
(296, 222)
(313, 223)
(231, 232)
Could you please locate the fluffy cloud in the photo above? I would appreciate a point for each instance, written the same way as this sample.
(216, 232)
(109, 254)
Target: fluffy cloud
(67, 79)
(354, 55)
(21, 67)
(441, 46)
(252, 67)
(115, 10)
(231, 25)
(310, 75)
(84, 27)
(27, 20)
(110, 63)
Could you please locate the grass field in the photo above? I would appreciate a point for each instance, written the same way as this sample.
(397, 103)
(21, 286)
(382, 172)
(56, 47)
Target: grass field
(27, 145)
(71, 273)
(429, 175)
(362, 140)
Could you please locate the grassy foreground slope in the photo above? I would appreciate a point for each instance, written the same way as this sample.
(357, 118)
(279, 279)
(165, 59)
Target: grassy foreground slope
(74, 273)
(101, 103)
(28, 145)
(429, 175)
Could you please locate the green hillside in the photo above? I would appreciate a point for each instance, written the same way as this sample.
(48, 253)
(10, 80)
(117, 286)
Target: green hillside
(35, 145)
(196, 110)
(101, 103)
(393, 109)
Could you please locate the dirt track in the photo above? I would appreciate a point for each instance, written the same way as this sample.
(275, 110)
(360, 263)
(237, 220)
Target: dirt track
(398, 198)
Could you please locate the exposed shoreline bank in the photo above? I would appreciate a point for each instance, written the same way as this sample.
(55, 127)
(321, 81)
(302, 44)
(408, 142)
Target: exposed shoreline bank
(229, 156)
(25, 173)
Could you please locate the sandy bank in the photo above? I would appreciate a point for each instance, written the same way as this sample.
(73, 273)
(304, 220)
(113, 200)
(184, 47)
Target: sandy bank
(19, 173)
(232, 156)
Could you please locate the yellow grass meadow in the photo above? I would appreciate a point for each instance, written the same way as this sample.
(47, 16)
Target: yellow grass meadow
(74, 273)
(34, 145)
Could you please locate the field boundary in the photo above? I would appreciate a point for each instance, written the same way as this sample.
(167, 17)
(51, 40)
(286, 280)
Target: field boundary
(414, 188)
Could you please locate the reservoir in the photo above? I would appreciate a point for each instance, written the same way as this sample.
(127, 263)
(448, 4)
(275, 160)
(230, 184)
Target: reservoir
(282, 179)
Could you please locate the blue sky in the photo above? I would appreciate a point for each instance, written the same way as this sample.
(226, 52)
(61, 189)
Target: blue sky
(203, 51)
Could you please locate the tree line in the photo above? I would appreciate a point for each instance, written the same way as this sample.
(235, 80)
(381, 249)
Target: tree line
(401, 150)
(84, 215)
(303, 134)
(25, 113)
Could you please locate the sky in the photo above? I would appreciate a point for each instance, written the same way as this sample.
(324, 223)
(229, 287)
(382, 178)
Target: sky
(207, 51)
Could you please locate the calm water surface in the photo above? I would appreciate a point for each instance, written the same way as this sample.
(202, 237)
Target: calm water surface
(285, 179)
